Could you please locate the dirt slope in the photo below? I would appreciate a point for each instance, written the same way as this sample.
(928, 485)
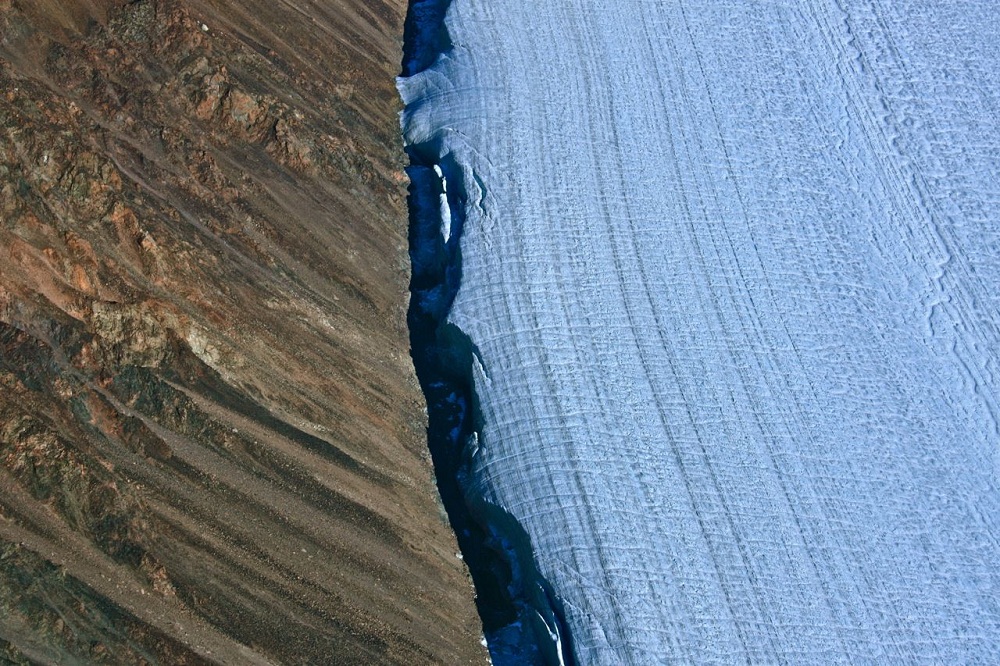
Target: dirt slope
(211, 439)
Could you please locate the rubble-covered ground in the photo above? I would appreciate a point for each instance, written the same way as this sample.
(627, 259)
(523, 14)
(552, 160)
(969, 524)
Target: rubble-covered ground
(211, 437)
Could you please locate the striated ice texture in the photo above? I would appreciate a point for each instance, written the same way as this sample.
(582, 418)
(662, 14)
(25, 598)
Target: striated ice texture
(732, 271)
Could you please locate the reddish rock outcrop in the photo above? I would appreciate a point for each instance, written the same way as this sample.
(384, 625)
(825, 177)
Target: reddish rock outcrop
(211, 439)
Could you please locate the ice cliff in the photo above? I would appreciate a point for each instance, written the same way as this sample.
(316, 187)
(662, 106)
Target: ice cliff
(730, 272)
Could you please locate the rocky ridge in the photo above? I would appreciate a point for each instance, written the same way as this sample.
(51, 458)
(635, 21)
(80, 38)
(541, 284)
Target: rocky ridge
(211, 439)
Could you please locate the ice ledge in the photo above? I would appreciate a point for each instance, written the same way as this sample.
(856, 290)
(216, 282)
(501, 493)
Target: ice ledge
(523, 620)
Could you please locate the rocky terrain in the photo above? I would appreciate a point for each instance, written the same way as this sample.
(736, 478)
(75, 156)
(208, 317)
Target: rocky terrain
(211, 438)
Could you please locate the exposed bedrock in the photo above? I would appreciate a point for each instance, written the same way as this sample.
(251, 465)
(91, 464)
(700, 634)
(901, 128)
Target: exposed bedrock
(212, 439)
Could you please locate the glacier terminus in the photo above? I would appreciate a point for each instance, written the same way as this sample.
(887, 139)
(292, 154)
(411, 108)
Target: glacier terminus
(727, 280)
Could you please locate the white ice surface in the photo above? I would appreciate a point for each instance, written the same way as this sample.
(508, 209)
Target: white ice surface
(735, 282)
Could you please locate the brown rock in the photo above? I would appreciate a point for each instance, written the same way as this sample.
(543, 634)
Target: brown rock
(211, 438)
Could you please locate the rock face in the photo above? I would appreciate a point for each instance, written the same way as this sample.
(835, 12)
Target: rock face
(211, 439)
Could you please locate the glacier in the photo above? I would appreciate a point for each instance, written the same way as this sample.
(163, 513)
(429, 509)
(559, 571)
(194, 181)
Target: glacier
(729, 300)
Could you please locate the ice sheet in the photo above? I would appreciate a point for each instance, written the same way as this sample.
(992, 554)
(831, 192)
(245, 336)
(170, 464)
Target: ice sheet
(732, 270)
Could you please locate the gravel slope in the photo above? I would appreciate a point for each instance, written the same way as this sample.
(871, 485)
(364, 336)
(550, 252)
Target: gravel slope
(212, 441)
